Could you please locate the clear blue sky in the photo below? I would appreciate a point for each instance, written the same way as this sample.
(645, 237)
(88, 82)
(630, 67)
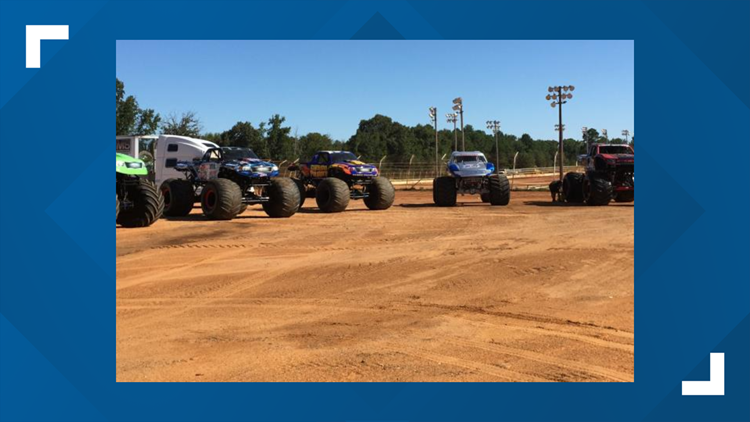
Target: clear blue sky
(329, 86)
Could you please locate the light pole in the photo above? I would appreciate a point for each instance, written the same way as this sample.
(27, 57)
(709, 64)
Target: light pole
(586, 140)
(433, 118)
(458, 105)
(453, 118)
(604, 134)
(494, 126)
(558, 95)
(562, 161)
(626, 134)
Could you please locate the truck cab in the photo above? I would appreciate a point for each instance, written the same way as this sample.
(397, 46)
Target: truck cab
(170, 149)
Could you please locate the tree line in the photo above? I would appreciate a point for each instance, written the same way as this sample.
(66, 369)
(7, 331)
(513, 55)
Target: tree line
(376, 137)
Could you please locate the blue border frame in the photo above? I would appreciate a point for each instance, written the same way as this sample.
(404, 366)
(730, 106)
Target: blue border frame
(57, 264)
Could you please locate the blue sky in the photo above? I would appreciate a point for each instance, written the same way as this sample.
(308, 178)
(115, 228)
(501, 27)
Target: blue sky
(329, 86)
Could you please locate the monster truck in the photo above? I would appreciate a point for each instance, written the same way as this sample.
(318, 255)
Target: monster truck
(138, 202)
(226, 183)
(471, 173)
(335, 177)
(609, 175)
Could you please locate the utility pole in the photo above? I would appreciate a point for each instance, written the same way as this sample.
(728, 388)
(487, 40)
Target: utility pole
(494, 126)
(626, 134)
(453, 118)
(458, 105)
(559, 96)
(433, 118)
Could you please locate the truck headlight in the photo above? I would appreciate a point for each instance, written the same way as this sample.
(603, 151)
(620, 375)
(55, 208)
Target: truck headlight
(246, 167)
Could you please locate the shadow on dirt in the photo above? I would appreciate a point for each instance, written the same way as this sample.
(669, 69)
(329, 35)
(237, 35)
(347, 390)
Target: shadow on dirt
(317, 211)
(566, 204)
(459, 204)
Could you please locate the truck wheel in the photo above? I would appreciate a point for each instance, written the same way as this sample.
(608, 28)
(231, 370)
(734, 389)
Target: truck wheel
(221, 199)
(499, 189)
(573, 187)
(332, 195)
(554, 189)
(283, 198)
(625, 196)
(179, 197)
(597, 190)
(148, 205)
(444, 191)
(485, 197)
(302, 192)
(380, 194)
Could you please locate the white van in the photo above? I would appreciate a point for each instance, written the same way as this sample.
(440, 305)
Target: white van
(172, 148)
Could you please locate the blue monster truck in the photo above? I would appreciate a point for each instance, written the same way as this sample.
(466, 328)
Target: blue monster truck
(226, 183)
(471, 173)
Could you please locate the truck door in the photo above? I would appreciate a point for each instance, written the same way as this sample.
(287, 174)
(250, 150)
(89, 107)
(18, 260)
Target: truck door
(319, 166)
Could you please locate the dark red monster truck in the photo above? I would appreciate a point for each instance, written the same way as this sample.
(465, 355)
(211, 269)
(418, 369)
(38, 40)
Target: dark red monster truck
(610, 175)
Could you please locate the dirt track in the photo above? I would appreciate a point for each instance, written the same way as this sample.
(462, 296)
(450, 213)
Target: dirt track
(528, 292)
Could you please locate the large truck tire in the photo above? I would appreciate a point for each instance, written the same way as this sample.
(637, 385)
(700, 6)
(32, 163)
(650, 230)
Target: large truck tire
(332, 195)
(573, 187)
(625, 196)
(302, 192)
(499, 190)
(221, 199)
(283, 198)
(444, 191)
(597, 191)
(148, 205)
(179, 197)
(380, 194)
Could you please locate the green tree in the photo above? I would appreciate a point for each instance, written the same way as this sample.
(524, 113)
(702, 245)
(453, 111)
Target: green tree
(311, 143)
(187, 124)
(592, 136)
(243, 134)
(280, 144)
(130, 118)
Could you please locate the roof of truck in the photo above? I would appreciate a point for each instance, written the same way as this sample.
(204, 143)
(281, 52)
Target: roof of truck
(466, 153)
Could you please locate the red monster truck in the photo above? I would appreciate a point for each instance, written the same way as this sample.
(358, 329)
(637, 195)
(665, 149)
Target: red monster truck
(610, 174)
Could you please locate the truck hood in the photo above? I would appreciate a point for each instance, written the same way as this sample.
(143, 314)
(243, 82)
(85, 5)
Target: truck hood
(619, 158)
(357, 167)
(126, 164)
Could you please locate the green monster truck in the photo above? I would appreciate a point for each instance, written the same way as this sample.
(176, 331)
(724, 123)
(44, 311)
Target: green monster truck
(139, 202)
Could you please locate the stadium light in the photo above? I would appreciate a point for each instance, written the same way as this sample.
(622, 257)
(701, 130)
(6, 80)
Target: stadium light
(559, 97)
(453, 118)
(494, 126)
(458, 105)
(433, 117)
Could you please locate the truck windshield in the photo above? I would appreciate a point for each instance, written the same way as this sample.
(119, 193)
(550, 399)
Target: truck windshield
(469, 159)
(342, 157)
(238, 153)
(615, 149)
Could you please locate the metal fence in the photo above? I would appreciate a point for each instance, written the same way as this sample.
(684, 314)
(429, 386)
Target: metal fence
(412, 173)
